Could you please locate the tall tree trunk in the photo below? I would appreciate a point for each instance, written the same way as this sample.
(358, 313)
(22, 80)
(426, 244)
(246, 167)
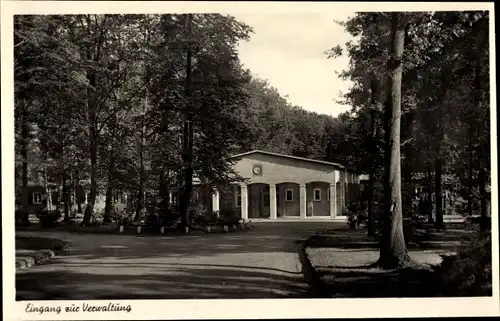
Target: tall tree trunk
(187, 155)
(375, 96)
(78, 193)
(439, 193)
(65, 197)
(93, 54)
(484, 222)
(94, 143)
(470, 168)
(108, 207)
(438, 161)
(481, 149)
(407, 197)
(142, 176)
(371, 177)
(393, 251)
(165, 173)
(139, 211)
(24, 170)
(89, 209)
(72, 193)
(164, 193)
(47, 189)
(428, 204)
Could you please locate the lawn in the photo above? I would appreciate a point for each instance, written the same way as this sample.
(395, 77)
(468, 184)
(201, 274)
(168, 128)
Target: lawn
(343, 258)
(39, 243)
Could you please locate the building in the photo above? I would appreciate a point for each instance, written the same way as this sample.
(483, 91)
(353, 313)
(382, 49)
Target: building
(281, 186)
(275, 187)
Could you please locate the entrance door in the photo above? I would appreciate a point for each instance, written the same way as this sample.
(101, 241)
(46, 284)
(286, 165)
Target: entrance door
(265, 208)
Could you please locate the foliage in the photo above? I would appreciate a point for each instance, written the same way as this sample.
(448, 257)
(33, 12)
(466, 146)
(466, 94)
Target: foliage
(101, 101)
(357, 215)
(123, 217)
(228, 217)
(469, 273)
(474, 223)
(444, 104)
(203, 217)
(49, 219)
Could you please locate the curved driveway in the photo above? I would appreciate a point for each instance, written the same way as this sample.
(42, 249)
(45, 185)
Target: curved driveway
(260, 263)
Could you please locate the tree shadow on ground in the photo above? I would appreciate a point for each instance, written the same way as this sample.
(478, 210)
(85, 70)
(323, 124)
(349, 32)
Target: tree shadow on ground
(359, 239)
(252, 264)
(264, 238)
(166, 281)
(375, 283)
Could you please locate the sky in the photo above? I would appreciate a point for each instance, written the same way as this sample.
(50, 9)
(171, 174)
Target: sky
(287, 49)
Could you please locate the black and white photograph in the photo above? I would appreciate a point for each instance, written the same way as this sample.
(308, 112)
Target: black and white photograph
(206, 154)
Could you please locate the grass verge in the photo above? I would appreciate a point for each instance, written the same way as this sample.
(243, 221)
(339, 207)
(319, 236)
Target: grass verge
(39, 243)
(342, 265)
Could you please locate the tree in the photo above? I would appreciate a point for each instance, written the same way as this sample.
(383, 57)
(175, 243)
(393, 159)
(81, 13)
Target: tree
(393, 252)
(372, 151)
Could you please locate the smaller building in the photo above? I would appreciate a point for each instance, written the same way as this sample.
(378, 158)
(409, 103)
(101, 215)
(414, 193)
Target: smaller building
(36, 197)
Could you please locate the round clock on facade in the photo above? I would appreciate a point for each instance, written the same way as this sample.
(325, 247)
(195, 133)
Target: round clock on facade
(257, 169)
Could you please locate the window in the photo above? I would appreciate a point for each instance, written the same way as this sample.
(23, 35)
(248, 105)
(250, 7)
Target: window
(265, 196)
(289, 195)
(174, 198)
(37, 198)
(317, 194)
(267, 200)
(238, 196)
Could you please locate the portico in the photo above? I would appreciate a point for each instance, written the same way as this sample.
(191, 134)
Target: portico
(280, 186)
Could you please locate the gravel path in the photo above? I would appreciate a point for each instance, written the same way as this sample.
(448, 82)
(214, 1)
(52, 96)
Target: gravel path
(260, 263)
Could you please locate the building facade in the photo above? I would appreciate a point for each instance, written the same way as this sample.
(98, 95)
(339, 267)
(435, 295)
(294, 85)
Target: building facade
(281, 186)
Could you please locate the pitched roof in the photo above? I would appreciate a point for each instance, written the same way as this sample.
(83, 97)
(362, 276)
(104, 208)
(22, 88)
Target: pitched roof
(287, 156)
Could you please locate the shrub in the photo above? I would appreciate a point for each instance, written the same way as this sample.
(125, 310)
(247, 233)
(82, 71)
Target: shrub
(157, 220)
(49, 219)
(123, 217)
(106, 219)
(153, 220)
(357, 215)
(228, 217)
(469, 273)
(21, 218)
(474, 223)
(199, 214)
(204, 217)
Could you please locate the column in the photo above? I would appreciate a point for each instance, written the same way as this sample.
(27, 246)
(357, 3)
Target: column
(272, 200)
(342, 192)
(333, 201)
(303, 199)
(86, 198)
(215, 201)
(244, 201)
(348, 188)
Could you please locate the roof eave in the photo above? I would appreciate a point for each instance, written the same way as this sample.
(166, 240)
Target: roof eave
(288, 156)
